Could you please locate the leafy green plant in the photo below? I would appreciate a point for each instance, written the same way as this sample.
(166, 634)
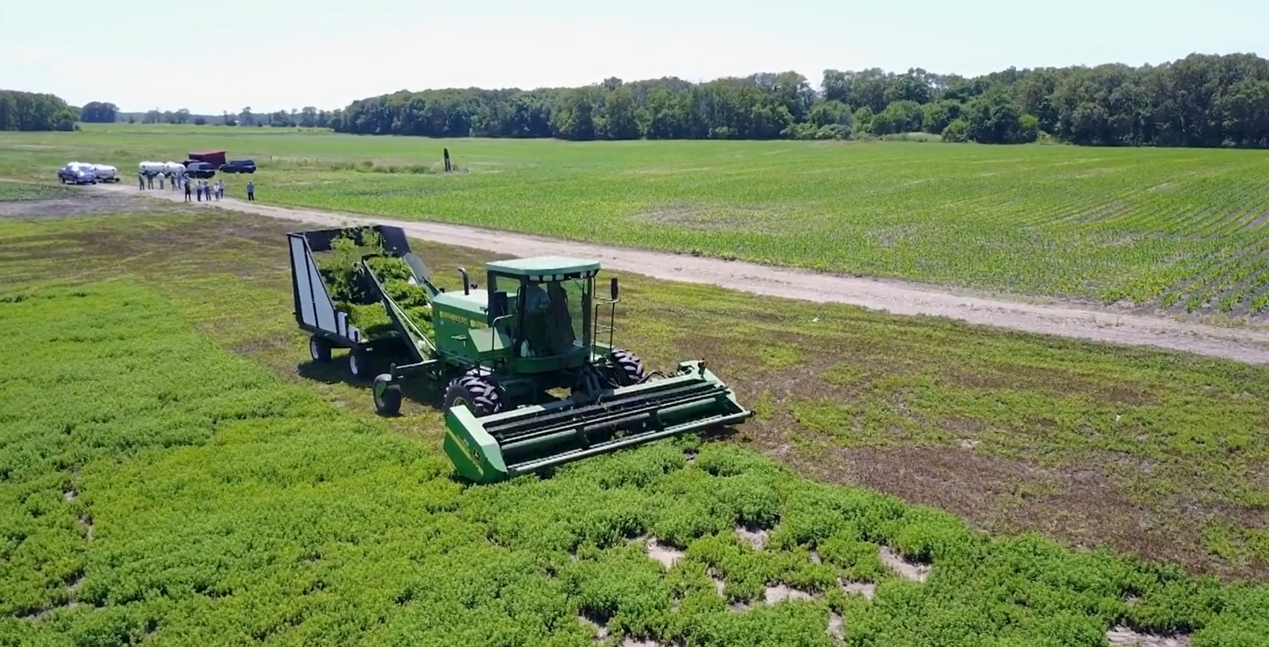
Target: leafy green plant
(156, 488)
(342, 270)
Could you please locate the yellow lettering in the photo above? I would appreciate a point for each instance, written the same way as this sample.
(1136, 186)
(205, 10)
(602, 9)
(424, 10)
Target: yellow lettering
(462, 320)
(462, 447)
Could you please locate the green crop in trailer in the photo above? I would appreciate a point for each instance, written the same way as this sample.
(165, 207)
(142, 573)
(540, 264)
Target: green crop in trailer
(339, 268)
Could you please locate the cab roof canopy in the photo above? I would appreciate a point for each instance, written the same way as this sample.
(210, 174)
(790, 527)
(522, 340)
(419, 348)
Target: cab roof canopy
(543, 266)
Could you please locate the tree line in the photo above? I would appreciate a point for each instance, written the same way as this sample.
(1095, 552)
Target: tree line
(35, 111)
(29, 111)
(1199, 100)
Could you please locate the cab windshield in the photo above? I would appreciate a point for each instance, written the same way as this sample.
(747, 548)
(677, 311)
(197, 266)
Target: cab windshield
(556, 315)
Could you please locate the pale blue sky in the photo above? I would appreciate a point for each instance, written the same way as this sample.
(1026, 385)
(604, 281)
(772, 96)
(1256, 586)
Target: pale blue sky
(281, 54)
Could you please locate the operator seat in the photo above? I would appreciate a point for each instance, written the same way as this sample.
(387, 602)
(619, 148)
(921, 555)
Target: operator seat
(560, 319)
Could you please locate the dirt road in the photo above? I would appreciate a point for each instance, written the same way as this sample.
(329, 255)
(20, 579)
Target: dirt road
(1243, 344)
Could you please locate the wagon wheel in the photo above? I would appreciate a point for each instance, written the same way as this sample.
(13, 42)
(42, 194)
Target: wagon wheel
(319, 349)
(359, 363)
(387, 395)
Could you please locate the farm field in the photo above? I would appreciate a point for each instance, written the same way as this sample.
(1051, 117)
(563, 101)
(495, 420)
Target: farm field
(177, 473)
(1181, 230)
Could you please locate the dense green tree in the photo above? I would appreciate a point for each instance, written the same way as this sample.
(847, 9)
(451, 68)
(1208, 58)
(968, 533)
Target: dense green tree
(32, 111)
(99, 112)
(936, 116)
(957, 131)
(997, 118)
(902, 116)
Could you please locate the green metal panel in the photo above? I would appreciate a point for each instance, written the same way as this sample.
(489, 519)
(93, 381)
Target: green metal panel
(462, 329)
(474, 453)
(490, 343)
(543, 265)
(532, 438)
(476, 303)
(536, 365)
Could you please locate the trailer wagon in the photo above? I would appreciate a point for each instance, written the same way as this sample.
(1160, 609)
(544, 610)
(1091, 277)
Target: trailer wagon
(315, 310)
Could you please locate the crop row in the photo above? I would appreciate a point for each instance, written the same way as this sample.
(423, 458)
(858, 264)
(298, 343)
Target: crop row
(1221, 281)
(1100, 229)
(1106, 224)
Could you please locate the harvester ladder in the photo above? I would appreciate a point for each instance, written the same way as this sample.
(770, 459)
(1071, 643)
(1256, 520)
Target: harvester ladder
(611, 327)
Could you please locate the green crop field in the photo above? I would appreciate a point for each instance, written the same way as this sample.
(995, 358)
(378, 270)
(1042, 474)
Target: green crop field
(176, 472)
(1179, 229)
(27, 191)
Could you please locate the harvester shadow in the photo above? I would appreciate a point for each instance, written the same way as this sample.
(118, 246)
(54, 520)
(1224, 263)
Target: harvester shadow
(337, 372)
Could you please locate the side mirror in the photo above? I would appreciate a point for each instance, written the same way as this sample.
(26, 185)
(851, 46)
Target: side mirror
(612, 288)
(497, 306)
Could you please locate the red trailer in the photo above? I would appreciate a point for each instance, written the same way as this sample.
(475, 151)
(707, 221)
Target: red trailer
(215, 158)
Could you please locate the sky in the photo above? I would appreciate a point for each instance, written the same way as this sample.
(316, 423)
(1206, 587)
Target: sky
(284, 54)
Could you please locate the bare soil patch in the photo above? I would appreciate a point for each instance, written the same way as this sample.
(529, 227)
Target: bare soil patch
(704, 217)
(906, 568)
(778, 592)
(1060, 319)
(1124, 637)
(91, 203)
(756, 537)
(667, 555)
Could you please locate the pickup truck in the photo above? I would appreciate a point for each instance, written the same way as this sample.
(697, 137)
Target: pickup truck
(238, 166)
(77, 173)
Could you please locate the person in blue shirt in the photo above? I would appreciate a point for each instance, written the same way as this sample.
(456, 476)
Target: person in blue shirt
(251, 191)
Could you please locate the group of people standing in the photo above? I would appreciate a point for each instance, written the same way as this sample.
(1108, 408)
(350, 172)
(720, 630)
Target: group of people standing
(204, 189)
(200, 188)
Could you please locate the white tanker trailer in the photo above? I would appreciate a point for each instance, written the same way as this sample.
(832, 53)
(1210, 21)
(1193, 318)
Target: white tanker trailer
(161, 168)
(105, 172)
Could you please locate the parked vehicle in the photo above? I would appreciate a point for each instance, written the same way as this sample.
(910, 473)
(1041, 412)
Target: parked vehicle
(105, 173)
(77, 173)
(153, 168)
(200, 170)
(238, 166)
(216, 158)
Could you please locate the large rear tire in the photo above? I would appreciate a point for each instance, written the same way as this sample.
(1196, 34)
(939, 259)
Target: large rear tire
(627, 368)
(479, 389)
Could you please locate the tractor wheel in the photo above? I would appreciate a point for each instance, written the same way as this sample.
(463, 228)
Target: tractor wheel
(479, 390)
(627, 368)
(387, 395)
(359, 363)
(319, 349)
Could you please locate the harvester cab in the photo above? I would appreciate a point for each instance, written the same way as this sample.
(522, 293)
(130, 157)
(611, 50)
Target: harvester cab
(546, 307)
(530, 376)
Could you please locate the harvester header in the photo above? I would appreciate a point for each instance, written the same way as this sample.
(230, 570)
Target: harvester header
(501, 356)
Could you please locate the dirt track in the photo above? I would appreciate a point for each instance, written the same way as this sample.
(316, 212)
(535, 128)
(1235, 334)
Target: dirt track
(1243, 344)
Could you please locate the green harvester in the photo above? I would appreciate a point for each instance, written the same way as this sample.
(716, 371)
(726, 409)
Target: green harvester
(527, 382)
